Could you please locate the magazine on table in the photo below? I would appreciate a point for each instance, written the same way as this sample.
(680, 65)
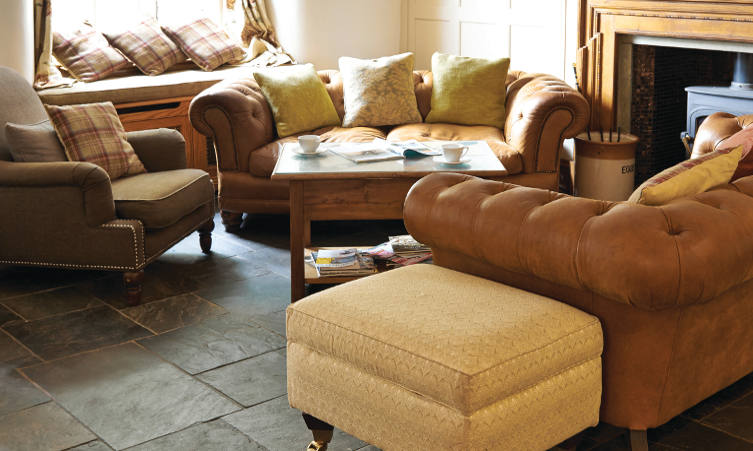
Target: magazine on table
(342, 262)
(382, 150)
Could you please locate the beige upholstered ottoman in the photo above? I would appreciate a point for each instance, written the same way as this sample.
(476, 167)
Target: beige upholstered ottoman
(424, 357)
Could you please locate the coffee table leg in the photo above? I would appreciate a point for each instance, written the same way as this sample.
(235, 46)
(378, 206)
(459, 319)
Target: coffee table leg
(297, 240)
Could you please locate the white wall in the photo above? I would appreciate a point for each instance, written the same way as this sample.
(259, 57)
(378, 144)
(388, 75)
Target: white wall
(17, 36)
(320, 31)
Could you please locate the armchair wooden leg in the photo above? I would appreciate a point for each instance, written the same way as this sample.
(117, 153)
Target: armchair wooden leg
(231, 220)
(132, 282)
(205, 236)
(638, 440)
(322, 433)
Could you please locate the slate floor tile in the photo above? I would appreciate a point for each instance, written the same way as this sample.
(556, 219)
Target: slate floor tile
(127, 395)
(277, 426)
(16, 393)
(263, 294)
(736, 418)
(213, 436)
(75, 332)
(54, 302)
(7, 316)
(160, 282)
(21, 280)
(274, 321)
(172, 313)
(681, 433)
(96, 445)
(253, 380)
(43, 427)
(213, 342)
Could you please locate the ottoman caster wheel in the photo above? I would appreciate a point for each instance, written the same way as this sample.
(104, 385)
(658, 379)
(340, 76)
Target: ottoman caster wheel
(317, 446)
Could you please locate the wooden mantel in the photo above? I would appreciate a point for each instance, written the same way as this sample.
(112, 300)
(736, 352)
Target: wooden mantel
(601, 22)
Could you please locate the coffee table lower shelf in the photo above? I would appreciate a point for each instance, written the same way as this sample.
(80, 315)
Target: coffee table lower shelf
(309, 272)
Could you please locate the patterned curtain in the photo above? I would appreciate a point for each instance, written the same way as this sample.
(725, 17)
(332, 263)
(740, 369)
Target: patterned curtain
(258, 34)
(47, 74)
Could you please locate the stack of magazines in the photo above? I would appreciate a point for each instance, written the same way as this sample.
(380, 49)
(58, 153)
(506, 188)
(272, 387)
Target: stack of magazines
(343, 263)
(407, 251)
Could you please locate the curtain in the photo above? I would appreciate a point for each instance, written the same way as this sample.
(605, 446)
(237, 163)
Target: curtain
(258, 34)
(47, 75)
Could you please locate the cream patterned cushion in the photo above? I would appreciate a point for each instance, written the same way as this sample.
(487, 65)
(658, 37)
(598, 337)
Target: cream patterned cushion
(379, 92)
(444, 360)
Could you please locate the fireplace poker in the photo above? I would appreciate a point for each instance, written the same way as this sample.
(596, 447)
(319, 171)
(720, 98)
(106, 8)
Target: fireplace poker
(577, 87)
(610, 134)
(601, 134)
(619, 132)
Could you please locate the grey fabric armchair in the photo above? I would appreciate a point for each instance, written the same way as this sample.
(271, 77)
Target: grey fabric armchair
(70, 215)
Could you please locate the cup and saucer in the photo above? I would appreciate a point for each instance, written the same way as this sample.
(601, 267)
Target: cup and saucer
(453, 154)
(308, 146)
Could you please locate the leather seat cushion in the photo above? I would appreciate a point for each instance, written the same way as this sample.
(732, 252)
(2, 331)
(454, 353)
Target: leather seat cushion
(160, 199)
(262, 161)
(461, 340)
(510, 158)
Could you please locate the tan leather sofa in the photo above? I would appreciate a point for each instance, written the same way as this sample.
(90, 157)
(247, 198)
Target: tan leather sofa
(541, 111)
(672, 285)
(70, 215)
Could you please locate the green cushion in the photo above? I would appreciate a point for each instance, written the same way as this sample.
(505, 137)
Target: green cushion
(468, 91)
(298, 99)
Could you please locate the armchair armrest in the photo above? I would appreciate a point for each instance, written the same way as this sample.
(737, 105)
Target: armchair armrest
(237, 116)
(22, 185)
(653, 258)
(542, 110)
(715, 129)
(161, 149)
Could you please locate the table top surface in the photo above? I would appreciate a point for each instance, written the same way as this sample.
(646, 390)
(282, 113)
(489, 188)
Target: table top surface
(328, 165)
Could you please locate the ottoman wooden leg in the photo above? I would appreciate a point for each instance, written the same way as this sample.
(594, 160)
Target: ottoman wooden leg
(231, 220)
(205, 236)
(638, 440)
(322, 433)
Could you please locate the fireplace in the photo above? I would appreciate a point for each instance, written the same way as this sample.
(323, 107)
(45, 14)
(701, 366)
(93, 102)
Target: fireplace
(661, 36)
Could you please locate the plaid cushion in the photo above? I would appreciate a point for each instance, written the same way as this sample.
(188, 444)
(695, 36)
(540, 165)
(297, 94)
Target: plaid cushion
(92, 132)
(86, 54)
(148, 47)
(206, 44)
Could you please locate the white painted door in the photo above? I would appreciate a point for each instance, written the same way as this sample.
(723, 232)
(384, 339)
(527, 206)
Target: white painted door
(537, 35)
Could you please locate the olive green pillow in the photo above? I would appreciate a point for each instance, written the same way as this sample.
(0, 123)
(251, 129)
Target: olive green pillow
(468, 91)
(297, 98)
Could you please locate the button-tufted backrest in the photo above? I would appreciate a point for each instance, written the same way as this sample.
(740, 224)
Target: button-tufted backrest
(423, 82)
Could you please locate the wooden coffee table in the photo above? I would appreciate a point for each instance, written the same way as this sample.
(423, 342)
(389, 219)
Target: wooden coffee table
(329, 187)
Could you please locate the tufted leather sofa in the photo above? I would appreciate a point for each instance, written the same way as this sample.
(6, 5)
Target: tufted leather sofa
(672, 285)
(541, 111)
(716, 128)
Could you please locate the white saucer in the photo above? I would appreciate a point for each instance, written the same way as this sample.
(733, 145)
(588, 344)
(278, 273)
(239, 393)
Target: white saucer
(441, 160)
(298, 150)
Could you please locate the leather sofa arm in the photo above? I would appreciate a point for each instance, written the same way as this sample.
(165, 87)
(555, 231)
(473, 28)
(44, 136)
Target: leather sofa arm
(161, 149)
(237, 116)
(542, 110)
(653, 258)
(23, 184)
(715, 129)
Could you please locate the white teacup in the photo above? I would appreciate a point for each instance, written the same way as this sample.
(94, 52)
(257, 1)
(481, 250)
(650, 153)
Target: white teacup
(453, 152)
(309, 143)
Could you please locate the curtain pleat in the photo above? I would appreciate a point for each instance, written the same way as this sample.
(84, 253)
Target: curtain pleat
(47, 75)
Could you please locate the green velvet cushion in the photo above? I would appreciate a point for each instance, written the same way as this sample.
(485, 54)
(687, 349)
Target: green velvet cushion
(468, 91)
(298, 99)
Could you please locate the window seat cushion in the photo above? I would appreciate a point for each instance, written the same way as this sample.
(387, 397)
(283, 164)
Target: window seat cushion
(180, 81)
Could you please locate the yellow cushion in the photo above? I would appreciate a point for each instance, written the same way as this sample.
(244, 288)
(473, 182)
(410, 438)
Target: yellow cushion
(468, 91)
(297, 98)
(688, 178)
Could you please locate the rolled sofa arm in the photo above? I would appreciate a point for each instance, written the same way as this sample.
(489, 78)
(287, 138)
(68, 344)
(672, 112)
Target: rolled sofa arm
(653, 258)
(235, 114)
(715, 129)
(542, 110)
(161, 149)
(22, 185)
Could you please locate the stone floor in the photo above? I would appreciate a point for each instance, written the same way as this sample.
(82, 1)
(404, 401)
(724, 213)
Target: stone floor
(201, 363)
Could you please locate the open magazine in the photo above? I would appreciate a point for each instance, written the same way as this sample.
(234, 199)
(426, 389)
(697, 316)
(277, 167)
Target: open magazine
(382, 150)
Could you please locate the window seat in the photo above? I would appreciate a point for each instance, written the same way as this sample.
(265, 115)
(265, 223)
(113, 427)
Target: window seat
(146, 102)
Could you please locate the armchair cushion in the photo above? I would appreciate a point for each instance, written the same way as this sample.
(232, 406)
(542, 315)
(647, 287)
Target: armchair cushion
(160, 199)
(35, 143)
(162, 149)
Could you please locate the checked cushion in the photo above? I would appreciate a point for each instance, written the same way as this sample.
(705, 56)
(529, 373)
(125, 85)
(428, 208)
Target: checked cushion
(148, 47)
(92, 132)
(208, 46)
(86, 54)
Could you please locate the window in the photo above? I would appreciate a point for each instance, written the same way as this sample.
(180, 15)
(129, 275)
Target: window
(116, 14)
